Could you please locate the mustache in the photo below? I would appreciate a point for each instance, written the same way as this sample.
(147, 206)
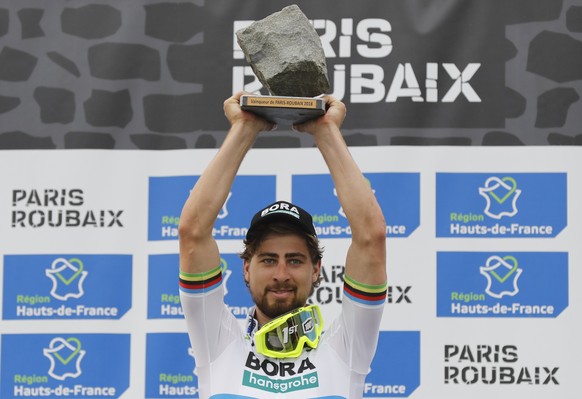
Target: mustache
(281, 287)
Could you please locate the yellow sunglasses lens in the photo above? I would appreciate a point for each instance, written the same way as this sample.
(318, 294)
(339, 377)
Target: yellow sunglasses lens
(287, 335)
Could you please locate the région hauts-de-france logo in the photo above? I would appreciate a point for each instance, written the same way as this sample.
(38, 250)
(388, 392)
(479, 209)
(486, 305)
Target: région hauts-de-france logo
(501, 196)
(501, 274)
(65, 356)
(67, 276)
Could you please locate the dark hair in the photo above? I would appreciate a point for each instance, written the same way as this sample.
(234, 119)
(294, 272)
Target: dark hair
(253, 241)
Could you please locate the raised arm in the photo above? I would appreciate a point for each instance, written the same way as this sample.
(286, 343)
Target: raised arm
(198, 249)
(366, 258)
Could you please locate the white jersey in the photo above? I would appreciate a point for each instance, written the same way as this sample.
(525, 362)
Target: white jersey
(229, 367)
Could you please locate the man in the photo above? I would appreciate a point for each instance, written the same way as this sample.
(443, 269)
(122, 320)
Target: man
(281, 351)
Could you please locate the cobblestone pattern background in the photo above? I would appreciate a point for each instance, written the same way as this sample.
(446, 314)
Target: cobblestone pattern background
(127, 75)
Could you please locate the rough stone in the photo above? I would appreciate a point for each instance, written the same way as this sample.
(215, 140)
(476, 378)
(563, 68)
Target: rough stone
(64, 63)
(277, 142)
(172, 114)
(361, 139)
(173, 22)
(56, 105)
(574, 19)
(106, 108)
(500, 138)
(432, 141)
(286, 54)
(124, 61)
(102, 141)
(30, 22)
(550, 56)
(4, 18)
(16, 65)
(514, 103)
(553, 107)
(150, 141)
(93, 21)
(23, 141)
(8, 103)
(523, 11)
(560, 139)
(206, 141)
(186, 63)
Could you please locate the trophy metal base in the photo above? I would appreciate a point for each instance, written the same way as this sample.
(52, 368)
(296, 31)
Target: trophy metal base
(284, 110)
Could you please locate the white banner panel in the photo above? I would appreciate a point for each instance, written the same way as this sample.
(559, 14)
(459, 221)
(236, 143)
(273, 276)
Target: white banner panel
(483, 263)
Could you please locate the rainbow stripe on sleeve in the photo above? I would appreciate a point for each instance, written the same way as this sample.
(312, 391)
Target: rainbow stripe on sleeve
(371, 295)
(201, 283)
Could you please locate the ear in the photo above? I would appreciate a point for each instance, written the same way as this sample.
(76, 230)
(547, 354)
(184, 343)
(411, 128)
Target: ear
(316, 272)
(246, 272)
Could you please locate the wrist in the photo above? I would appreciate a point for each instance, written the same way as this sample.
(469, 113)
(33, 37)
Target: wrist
(244, 131)
(327, 134)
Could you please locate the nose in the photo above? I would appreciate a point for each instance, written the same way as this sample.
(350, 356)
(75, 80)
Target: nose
(281, 271)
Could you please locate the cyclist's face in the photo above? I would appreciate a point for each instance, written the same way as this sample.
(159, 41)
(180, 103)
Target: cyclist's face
(280, 275)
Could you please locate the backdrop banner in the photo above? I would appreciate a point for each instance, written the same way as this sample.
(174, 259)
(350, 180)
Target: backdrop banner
(464, 116)
(149, 74)
(483, 262)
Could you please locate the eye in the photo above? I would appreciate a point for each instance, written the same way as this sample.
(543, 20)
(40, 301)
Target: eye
(269, 261)
(296, 261)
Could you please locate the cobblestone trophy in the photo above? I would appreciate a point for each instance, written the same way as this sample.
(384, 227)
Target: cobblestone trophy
(286, 55)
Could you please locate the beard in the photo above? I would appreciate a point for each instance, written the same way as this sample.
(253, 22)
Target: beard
(277, 307)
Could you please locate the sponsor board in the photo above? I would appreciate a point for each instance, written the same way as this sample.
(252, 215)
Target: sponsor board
(60, 207)
(331, 285)
(511, 285)
(168, 194)
(494, 364)
(170, 367)
(163, 292)
(397, 193)
(395, 370)
(505, 205)
(64, 365)
(66, 286)
(389, 72)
